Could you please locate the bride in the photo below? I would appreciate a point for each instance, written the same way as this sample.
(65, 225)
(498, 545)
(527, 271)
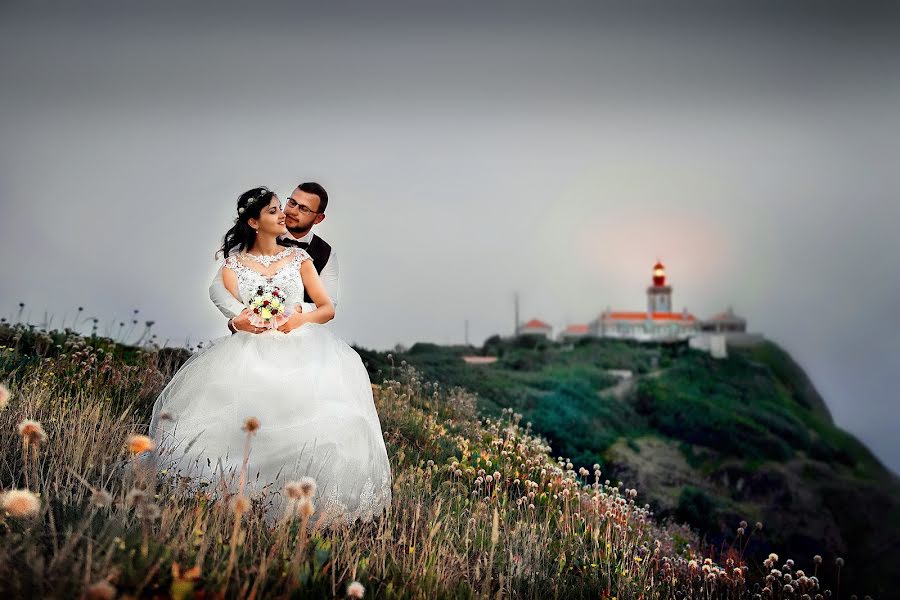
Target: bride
(307, 389)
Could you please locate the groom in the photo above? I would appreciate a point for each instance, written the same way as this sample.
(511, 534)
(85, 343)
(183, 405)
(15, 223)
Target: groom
(304, 208)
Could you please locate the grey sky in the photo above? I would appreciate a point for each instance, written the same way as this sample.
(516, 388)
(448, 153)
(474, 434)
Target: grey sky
(470, 153)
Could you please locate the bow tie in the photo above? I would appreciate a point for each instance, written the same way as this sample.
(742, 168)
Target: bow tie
(291, 242)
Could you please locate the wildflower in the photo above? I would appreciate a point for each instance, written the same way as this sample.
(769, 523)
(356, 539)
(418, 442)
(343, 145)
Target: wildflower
(817, 559)
(307, 486)
(839, 561)
(148, 511)
(306, 508)
(293, 491)
(192, 574)
(251, 424)
(4, 396)
(136, 497)
(31, 432)
(355, 590)
(240, 505)
(101, 590)
(22, 504)
(101, 498)
(140, 443)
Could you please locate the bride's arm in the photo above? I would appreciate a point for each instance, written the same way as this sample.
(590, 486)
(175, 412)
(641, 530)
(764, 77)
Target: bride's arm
(229, 280)
(313, 285)
(241, 320)
(227, 304)
(316, 289)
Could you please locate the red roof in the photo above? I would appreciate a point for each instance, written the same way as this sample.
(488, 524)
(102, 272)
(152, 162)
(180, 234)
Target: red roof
(577, 329)
(640, 316)
(536, 324)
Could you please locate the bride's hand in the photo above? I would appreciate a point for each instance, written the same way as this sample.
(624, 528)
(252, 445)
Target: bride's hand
(294, 321)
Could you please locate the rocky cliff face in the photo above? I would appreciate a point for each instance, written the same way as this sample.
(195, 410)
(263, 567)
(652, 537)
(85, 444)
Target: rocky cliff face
(807, 507)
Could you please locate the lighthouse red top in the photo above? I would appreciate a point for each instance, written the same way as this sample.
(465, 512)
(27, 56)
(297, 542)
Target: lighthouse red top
(659, 274)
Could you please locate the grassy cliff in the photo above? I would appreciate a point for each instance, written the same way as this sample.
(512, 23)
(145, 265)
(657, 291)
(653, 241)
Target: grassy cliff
(483, 505)
(710, 442)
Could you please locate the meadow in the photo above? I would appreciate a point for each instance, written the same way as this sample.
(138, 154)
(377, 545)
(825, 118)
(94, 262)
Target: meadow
(481, 507)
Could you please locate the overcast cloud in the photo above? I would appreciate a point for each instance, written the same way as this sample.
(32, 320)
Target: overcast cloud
(469, 154)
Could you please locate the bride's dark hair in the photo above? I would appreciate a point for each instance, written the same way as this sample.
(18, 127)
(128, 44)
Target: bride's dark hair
(249, 206)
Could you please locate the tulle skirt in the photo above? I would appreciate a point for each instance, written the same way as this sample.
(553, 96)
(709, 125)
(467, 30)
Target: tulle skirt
(313, 400)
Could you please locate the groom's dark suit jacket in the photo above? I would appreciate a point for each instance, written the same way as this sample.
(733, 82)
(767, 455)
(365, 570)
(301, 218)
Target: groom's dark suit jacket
(318, 249)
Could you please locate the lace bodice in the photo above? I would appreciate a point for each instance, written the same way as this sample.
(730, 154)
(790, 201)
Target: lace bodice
(286, 275)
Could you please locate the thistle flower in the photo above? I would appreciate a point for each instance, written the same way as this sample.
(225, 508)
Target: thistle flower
(31, 432)
(21, 504)
(307, 486)
(817, 559)
(293, 490)
(140, 443)
(136, 496)
(101, 590)
(355, 590)
(101, 498)
(240, 505)
(306, 508)
(251, 424)
(4, 396)
(148, 511)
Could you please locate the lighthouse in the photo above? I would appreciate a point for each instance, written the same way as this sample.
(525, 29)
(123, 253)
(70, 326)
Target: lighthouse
(659, 295)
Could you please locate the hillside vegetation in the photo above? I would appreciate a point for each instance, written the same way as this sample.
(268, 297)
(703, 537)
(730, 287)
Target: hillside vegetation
(482, 505)
(708, 441)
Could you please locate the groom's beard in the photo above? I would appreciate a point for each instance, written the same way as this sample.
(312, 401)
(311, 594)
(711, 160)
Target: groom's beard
(299, 232)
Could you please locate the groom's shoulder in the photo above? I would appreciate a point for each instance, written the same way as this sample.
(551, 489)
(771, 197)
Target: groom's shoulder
(319, 243)
(317, 239)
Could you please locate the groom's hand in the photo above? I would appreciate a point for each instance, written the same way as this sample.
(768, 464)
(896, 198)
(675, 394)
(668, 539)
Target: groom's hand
(242, 322)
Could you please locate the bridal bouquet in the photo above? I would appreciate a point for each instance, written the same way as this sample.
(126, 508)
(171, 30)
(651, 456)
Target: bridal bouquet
(268, 307)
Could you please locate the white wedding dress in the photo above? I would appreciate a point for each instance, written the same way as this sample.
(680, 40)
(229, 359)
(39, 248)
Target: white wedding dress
(313, 399)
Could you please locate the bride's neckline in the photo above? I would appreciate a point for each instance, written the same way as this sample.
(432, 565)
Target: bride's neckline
(267, 259)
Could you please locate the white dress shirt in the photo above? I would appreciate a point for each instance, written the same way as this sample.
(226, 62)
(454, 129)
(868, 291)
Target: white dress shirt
(231, 306)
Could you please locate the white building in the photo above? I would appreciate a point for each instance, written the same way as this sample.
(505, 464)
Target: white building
(656, 323)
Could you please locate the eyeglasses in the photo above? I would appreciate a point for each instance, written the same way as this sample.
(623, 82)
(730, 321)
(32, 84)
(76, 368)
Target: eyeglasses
(303, 209)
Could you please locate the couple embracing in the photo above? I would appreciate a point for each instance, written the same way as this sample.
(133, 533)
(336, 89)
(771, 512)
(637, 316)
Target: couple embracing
(305, 388)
